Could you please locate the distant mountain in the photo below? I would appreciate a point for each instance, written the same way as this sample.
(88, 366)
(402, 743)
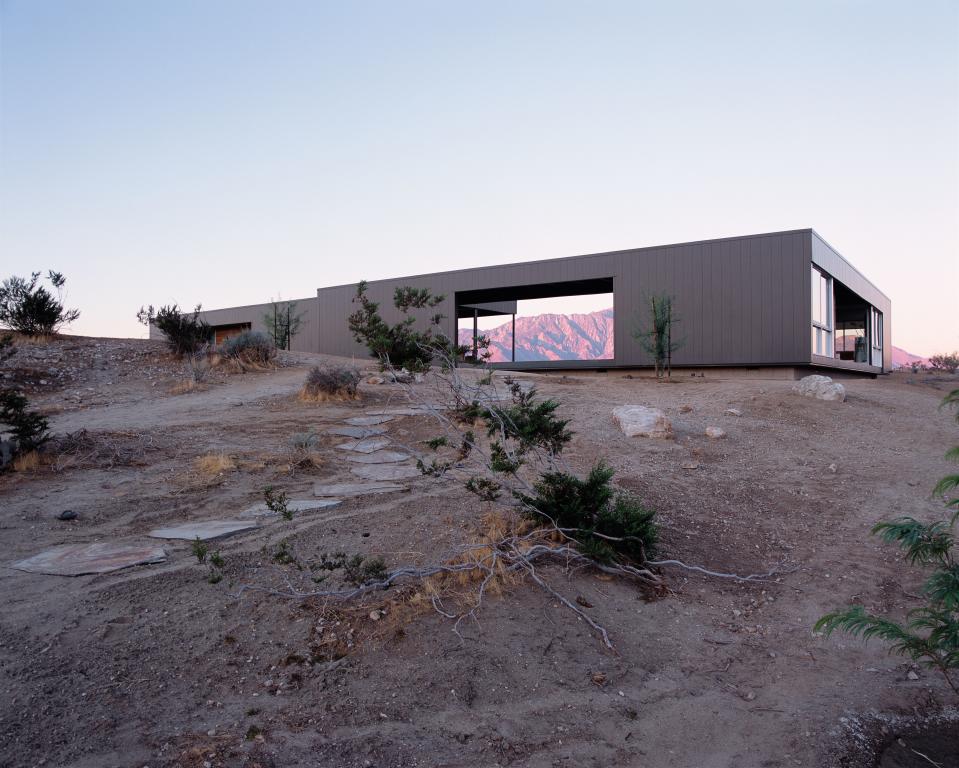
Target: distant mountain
(903, 359)
(552, 337)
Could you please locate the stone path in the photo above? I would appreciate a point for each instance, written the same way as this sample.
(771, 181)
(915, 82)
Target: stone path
(355, 489)
(365, 446)
(203, 529)
(379, 457)
(83, 559)
(367, 421)
(356, 432)
(293, 505)
(386, 471)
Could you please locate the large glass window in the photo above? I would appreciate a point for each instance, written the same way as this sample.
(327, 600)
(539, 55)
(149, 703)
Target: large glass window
(822, 325)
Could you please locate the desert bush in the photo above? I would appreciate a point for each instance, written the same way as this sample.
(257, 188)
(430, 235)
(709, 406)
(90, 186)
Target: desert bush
(212, 464)
(399, 346)
(27, 430)
(30, 308)
(607, 524)
(186, 333)
(945, 362)
(657, 336)
(277, 502)
(250, 349)
(331, 383)
(282, 323)
(930, 634)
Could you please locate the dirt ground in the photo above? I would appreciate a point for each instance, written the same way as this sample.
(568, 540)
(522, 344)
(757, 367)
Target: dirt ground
(157, 666)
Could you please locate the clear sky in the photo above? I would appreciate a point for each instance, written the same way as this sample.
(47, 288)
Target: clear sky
(227, 152)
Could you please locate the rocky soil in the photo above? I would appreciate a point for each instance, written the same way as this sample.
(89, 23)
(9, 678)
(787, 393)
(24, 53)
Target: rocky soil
(161, 666)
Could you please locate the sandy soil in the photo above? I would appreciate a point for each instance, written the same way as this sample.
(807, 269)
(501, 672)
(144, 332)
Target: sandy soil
(156, 666)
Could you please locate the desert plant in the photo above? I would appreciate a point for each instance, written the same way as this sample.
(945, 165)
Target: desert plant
(282, 323)
(930, 634)
(186, 333)
(216, 559)
(945, 362)
(250, 349)
(199, 549)
(31, 308)
(398, 346)
(7, 349)
(656, 336)
(277, 502)
(334, 382)
(27, 429)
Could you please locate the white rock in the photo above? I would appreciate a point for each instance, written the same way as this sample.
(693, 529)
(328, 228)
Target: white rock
(715, 432)
(640, 421)
(820, 387)
(734, 412)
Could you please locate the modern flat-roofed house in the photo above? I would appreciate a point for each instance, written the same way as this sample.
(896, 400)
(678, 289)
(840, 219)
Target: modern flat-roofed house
(784, 300)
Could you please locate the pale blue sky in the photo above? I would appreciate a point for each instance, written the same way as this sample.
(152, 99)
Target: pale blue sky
(229, 152)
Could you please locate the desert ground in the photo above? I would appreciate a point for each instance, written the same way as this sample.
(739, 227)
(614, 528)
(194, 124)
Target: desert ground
(162, 665)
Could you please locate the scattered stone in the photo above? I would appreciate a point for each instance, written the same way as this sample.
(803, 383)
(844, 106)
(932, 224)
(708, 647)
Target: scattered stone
(685, 409)
(912, 675)
(293, 505)
(67, 514)
(202, 529)
(82, 559)
(832, 468)
(386, 471)
(821, 388)
(717, 433)
(366, 421)
(375, 380)
(734, 412)
(358, 433)
(365, 446)
(375, 615)
(640, 421)
(355, 489)
(690, 465)
(379, 457)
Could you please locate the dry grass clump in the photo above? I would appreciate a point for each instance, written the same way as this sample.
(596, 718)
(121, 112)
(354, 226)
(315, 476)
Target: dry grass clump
(249, 351)
(186, 386)
(27, 462)
(331, 383)
(213, 464)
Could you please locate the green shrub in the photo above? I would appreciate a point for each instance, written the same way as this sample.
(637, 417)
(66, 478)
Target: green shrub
(249, 349)
(608, 524)
(946, 362)
(400, 345)
(185, 333)
(930, 634)
(28, 429)
(30, 308)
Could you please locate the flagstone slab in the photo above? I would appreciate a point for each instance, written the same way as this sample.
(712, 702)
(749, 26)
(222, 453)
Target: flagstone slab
(83, 559)
(356, 489)
(378, 457)
(386, 471)
(406, 410)
(367, 421)
(357, 432)
(365, 446)
(293, 505)
(203, 529)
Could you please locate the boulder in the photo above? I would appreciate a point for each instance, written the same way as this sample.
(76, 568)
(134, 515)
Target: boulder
(820, 387)
(716, 433)
(641, 421)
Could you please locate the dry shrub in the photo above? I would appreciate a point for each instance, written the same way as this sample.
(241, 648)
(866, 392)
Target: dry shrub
(331, 383)
(250, 350)
(213, 464)
(27, 462)
(186, 386)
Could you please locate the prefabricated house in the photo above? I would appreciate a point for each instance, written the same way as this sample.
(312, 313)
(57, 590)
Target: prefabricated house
(782, 300)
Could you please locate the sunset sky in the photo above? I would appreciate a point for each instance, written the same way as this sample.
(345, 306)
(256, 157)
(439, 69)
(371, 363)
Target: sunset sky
(228, 152)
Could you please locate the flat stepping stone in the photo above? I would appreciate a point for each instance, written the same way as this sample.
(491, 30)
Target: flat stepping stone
(356, 489)
(379, 457)
(406, 410)
(83, 559)
(367, 421)
(294, 505)
(203, 529)
(357, 432)
(365, 446)
(386, 471)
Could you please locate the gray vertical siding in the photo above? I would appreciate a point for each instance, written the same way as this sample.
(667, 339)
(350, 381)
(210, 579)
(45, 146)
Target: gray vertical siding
(743, 301)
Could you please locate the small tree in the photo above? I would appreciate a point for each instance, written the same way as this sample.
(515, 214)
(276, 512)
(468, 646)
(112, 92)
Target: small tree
(945, 362)
(29, 307)
(186, 334)
(658, 338)
(400, 345)
(931, 631)
(282, 323)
